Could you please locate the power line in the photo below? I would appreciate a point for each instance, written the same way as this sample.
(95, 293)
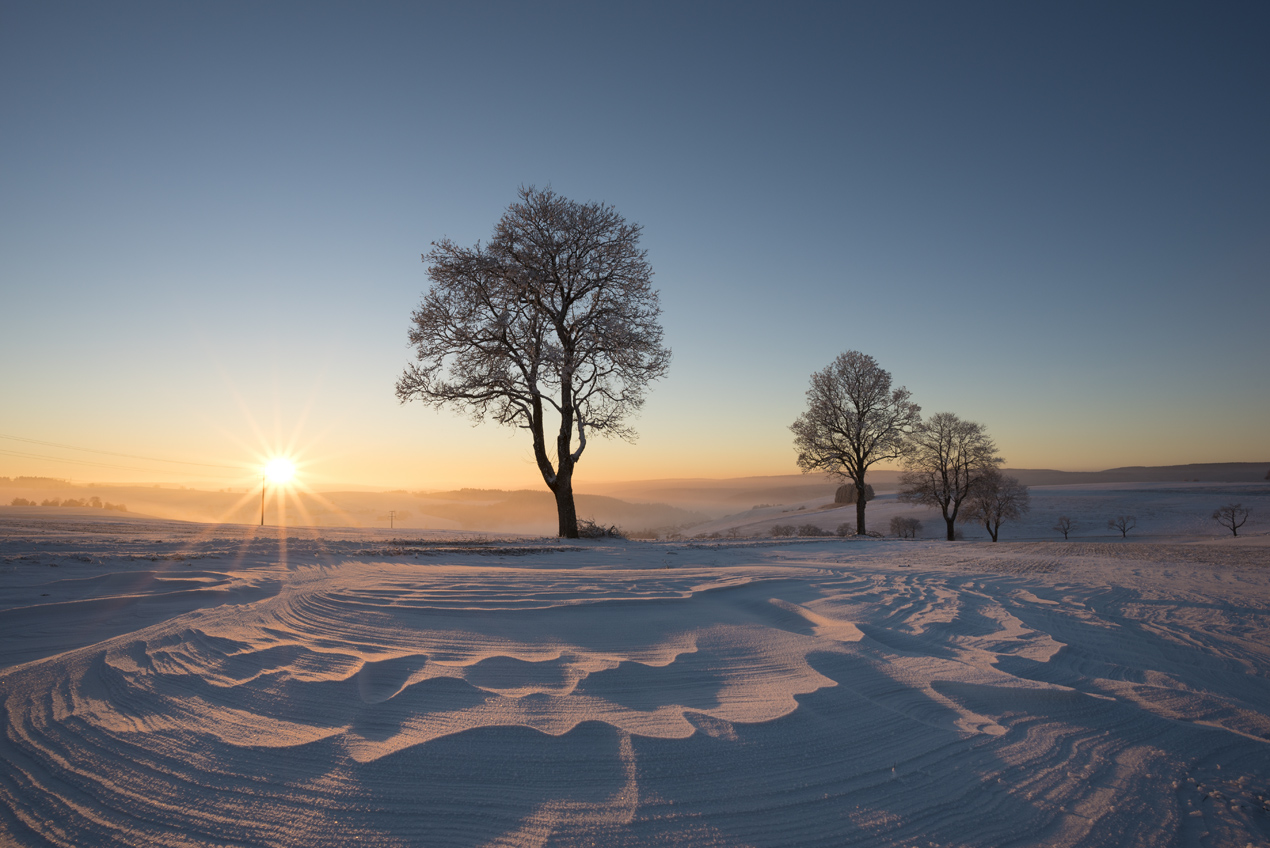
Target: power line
(109, 465)
(113, 453)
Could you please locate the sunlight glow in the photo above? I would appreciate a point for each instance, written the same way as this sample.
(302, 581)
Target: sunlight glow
(279, 470)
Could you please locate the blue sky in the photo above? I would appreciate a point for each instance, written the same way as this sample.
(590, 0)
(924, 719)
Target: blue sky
(1053, 218)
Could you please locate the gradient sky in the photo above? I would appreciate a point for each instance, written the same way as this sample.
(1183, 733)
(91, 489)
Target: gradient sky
(1050, 217)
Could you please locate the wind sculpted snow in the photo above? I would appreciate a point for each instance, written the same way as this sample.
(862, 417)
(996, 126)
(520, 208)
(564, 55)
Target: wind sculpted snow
(318, 691)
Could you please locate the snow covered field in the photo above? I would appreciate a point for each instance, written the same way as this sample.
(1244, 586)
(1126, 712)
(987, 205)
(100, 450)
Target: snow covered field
(180, 684)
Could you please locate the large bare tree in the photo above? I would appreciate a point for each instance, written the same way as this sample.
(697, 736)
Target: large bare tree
(944, 459)
(997, 498)
(853, 420)
(552, 326)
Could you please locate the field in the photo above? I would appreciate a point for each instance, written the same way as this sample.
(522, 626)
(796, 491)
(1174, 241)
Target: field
(181, 684)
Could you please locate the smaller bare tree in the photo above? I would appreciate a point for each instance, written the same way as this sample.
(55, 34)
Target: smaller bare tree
(944, 458)
(905, 526)
(854, 419)
(1123, 523)
(1065, 525)
(996, 498)
(1232, 517)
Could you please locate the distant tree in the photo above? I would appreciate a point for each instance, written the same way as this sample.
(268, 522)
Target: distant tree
(51, 502)
(22, 502)
(1232, 516)
(944, 458)
(1065, 525)
(94, 502)
(996, 498)
(553, 322)
(906, 527)
(1123, 523)
(853, 420)
(847, 493)
(783, 530)
(811, 530)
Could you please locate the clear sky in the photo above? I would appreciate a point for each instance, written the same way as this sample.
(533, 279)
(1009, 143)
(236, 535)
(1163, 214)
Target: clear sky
(1050, 217)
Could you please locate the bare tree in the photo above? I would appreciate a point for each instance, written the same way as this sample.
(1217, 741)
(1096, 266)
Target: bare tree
(906, 527)
(1123, 523)
(1065, 525)
(944, 458)
(853, 420)
(552, 324)
(996, 498)
(1232, 516)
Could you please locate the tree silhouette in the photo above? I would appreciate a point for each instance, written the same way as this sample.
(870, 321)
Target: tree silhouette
(996, 498)
(944, 458)
(552, 326)
(1065, 525)
(1232, 516)
(853, 420)
(1123, 523)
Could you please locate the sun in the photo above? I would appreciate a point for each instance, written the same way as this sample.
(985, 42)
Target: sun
(279, 470)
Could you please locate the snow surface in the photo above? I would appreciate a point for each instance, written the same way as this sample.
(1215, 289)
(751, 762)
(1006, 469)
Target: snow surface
(178, 684)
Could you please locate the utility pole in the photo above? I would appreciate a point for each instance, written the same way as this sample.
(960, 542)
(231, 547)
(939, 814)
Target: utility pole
(392, 513)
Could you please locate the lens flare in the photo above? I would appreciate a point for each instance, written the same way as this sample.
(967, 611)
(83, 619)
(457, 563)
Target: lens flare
(279, 470)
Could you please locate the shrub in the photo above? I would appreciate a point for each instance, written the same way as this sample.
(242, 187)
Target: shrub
(811, 530)
(588, 529)
(905, 526)
(782, 529)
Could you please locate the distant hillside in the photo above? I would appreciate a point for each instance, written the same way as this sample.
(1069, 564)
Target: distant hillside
(1209, 472)
(534, 511)
(523, 511)
(726, 496)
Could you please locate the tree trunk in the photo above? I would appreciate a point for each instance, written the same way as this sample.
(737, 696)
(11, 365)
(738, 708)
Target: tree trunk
(859, 507)
(567, 512)
(952, 533)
